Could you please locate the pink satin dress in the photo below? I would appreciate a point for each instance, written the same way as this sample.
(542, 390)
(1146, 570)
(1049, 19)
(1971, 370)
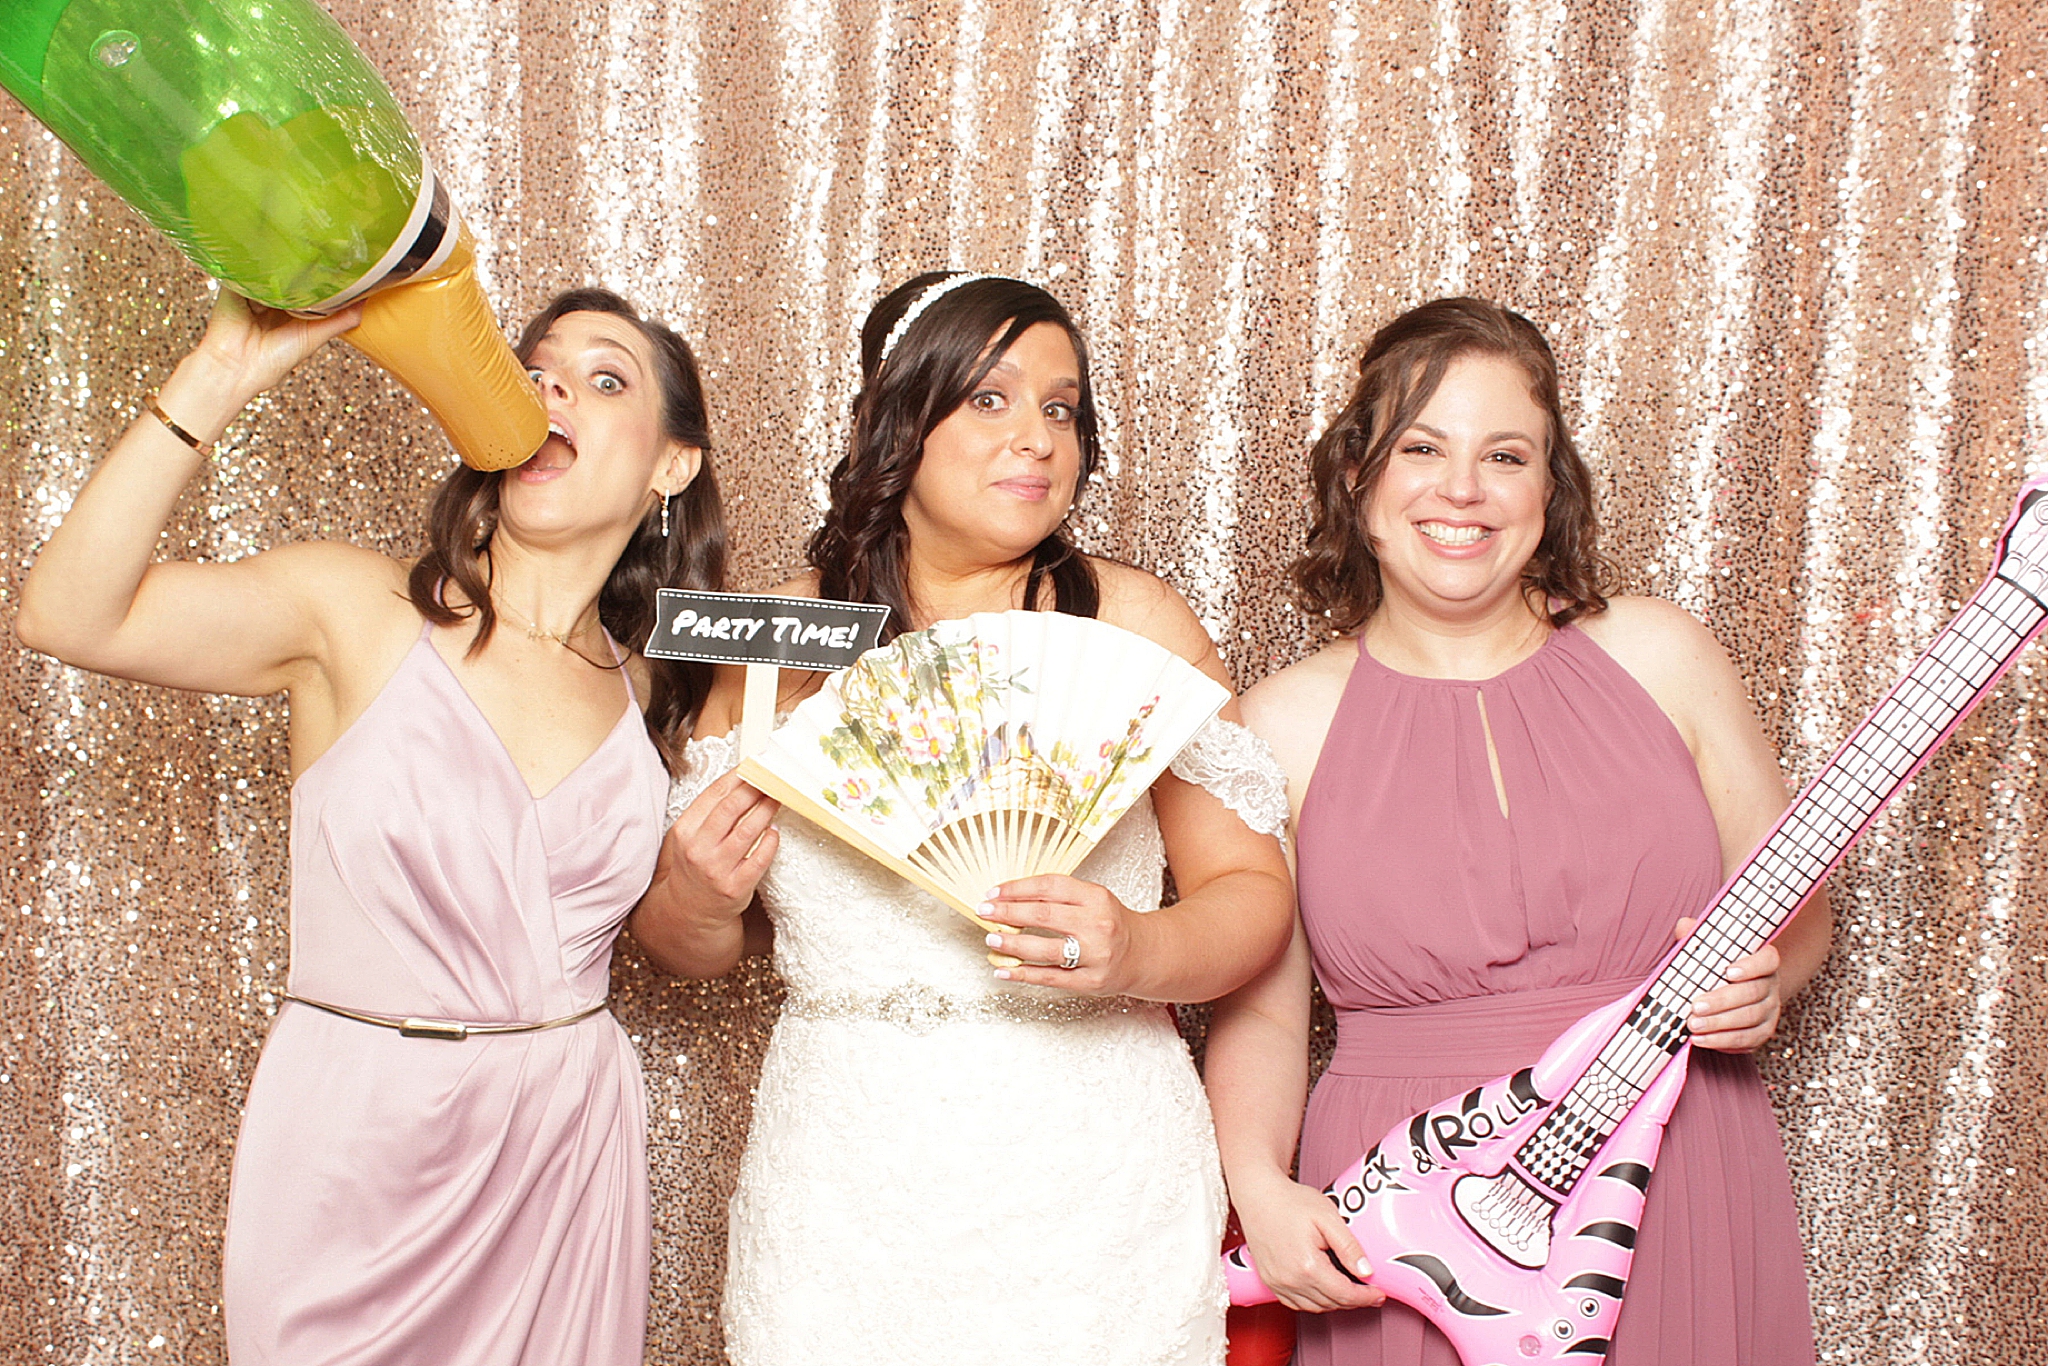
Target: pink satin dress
(1456, 942)
(403, 1201)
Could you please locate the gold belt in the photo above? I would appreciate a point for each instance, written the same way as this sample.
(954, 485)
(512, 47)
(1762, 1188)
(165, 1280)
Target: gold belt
(413, 1027)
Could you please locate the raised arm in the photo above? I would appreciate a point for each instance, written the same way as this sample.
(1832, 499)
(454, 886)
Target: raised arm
(95, 599)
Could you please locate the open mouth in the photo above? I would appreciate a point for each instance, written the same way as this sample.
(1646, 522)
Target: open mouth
(1445, 534)
(557, 453)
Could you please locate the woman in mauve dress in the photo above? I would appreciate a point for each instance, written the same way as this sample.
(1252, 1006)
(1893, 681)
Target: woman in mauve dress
(1509, 793)
(443, 1154)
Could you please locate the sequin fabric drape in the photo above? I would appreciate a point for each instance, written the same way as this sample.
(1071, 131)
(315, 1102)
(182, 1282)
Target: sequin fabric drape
(1794, 259)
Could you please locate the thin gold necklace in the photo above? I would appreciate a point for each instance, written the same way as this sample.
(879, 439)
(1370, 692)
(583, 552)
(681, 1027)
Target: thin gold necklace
(535, 631)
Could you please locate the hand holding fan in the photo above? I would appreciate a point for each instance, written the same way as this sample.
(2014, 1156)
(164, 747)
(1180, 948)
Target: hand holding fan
(978, 751)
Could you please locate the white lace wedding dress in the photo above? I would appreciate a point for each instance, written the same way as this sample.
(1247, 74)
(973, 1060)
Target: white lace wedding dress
(945, 1169)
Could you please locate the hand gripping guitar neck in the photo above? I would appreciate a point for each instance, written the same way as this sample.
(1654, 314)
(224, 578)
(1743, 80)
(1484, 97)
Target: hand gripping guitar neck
(1508, 1215)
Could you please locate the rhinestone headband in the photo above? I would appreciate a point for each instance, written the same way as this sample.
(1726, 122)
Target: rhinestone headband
(933, 292)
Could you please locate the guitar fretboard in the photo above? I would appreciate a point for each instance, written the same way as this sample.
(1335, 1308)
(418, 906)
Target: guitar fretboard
(1955, 672)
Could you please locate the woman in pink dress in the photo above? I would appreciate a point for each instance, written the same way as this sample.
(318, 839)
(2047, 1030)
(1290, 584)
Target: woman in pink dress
(1509, 792)
(443, 1154)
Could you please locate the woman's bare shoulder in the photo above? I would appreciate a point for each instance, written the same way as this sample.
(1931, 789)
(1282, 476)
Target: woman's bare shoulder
(343, 587)
(1154, 608)
(1322, 674)
(1291, 709)
(1658, 642)
(721, 709)
(1641, 622)
(804, 585)
(1678, 662)
(337, 566)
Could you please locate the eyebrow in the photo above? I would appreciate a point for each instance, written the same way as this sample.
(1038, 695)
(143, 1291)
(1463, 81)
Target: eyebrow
(606, 342)
(1008, 367)
(1508, 435)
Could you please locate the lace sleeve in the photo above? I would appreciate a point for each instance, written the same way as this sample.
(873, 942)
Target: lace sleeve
(703, 761)
(1239, 770)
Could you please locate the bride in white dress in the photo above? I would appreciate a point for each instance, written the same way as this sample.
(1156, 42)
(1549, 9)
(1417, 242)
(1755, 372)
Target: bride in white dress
(949, 1162)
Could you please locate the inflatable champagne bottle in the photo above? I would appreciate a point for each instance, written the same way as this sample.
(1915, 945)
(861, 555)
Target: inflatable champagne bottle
(256, 136)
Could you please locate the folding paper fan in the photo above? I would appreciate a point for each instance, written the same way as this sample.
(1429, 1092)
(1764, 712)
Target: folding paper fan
(990, 748)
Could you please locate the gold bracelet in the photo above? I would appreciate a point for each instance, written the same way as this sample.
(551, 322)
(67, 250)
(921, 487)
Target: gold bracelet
(156, 410)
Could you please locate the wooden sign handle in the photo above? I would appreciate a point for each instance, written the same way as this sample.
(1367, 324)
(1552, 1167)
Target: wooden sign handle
(757, 707)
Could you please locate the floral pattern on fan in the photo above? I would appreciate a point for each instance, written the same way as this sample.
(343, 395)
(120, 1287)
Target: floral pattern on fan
(903, 708)
(989, 748)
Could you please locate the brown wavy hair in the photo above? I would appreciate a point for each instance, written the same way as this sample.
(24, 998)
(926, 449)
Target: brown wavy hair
(860, 548)
(1338, 574)
(464, 516)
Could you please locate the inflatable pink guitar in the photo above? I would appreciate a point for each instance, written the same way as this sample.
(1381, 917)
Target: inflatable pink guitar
(1508, 1215)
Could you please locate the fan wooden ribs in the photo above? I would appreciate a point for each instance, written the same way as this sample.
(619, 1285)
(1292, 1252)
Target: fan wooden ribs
(983, 750)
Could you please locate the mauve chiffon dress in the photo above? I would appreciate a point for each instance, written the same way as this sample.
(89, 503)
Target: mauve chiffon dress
(1456, 943)
(413, 1200)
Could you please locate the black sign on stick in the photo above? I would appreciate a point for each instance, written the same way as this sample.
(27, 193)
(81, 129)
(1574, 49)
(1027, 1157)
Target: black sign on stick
(747, 628)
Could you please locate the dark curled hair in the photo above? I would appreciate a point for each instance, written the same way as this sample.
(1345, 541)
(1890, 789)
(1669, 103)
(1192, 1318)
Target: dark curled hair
(1339, 572)
(464, 517)
(859, 551)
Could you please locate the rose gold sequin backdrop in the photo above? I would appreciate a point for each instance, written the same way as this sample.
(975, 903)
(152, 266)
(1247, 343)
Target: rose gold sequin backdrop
(1792, 257)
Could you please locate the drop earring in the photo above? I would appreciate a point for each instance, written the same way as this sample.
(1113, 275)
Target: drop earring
(664, 514)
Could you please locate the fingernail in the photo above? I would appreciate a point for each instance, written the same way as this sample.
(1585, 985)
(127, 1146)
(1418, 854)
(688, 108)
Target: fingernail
(994, 941)
(992, 893)
(985, 911)
(1364, 1268)
(1002, 974)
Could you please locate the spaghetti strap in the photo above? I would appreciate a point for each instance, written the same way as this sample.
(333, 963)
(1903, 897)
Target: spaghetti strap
(385, 1184)
(619, 660)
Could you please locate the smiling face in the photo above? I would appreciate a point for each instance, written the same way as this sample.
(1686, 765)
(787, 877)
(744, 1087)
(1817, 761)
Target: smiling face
(607, 456)
(1458, 511)
(999, 472)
